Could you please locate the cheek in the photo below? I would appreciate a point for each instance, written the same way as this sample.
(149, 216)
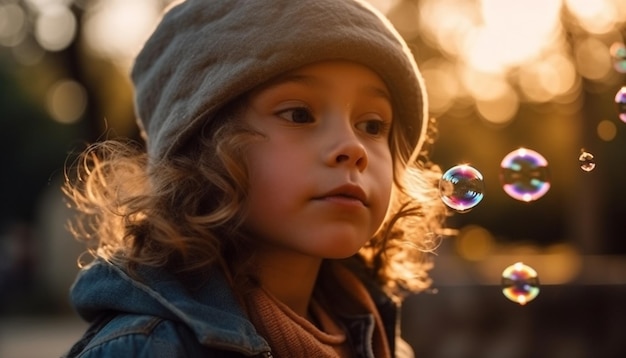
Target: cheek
(383, 175)
(388, 187)
(268, 165)
(260, 191)
(270, 175)
(385, 169)
(261, 171)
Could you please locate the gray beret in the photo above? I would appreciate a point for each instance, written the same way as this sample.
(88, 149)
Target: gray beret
(205, 53)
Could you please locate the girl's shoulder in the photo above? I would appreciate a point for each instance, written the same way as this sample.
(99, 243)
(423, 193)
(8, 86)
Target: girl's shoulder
(133, 335)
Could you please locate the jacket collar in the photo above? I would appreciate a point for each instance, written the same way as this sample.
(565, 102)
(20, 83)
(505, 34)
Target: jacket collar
(212, 312)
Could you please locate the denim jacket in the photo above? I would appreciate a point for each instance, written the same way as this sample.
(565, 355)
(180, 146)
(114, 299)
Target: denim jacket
(160, 317)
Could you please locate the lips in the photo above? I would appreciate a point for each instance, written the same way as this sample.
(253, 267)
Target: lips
(347, 191)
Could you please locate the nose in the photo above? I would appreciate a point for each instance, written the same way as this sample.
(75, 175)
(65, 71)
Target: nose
(347, 150)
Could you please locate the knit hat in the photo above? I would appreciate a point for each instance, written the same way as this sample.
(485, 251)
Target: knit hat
(206, 53)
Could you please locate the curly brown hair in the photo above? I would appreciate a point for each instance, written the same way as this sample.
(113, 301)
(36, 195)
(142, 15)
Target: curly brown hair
(186, 211)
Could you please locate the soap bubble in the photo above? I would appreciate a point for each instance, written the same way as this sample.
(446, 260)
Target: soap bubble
(461, 187)
(587, 163)
(520, 283)
(618, 54)
(524, 175)
(620, 101)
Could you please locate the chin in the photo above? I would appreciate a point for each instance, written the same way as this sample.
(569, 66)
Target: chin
(340, 255)
(341, 248)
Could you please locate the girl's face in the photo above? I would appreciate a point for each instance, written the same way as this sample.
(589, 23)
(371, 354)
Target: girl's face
(320, 180)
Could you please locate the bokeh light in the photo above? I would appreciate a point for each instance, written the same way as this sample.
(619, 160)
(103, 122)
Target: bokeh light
(501, 110)
(490, 45)
(524, 175)
(606, 130)
(442, 84)
(474, 243)
(28, 52)
(383, 5)
(55, 27)
(66, 101)
(117, 29)
(547, 78)
(12, 24)
(596, 16)
(593, 60)
(520, 283)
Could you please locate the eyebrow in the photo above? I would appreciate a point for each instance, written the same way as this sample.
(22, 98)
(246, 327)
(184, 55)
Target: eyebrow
(316, 82)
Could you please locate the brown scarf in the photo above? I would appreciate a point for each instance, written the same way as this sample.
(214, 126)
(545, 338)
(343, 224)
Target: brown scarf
(290, 335)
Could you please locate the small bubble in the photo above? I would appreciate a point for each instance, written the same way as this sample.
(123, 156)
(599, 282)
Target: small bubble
(461, 187)
(520, 283)
(587, 163)
(618, 54)
(620, 101)
(524, 175)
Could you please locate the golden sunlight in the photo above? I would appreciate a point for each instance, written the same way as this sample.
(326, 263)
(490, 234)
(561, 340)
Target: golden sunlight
(597, 16)
(501, 46)
(117, 29)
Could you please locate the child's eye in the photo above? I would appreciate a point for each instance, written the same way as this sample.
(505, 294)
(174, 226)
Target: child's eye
(297, 115)
(374, 127)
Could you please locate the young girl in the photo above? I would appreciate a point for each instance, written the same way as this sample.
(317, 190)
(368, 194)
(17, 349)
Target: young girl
(283, 205)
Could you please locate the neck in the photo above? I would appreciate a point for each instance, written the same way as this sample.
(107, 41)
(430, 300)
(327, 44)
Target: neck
(290, 278)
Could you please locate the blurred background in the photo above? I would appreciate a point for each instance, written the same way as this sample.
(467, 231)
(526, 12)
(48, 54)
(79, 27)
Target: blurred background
(501, 74)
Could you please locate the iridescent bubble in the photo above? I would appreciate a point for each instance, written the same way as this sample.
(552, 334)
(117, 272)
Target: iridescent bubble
(618, 54)
(620, 101)
(587, 163)
(524, 175)
(461, 187)
(520, 283)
